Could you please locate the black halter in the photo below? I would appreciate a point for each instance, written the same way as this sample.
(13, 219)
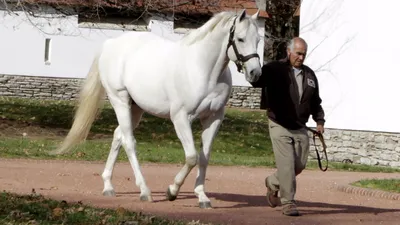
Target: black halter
(240, 58)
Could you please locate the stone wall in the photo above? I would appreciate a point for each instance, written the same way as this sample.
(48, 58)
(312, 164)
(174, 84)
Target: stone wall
(245, 97)
(361, 147)
(342, 145)
(39, 87)
(68, 89)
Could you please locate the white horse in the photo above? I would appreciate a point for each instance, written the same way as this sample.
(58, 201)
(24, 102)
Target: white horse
(180, 80)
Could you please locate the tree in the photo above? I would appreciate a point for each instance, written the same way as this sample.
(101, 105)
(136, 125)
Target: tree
(280, 27)
(38, 13)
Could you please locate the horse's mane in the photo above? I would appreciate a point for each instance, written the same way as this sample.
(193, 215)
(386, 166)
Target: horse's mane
(218, 20)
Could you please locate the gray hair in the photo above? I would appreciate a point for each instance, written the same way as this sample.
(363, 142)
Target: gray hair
(290, 44)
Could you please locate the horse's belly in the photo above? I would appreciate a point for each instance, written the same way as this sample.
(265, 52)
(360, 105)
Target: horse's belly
(159, 109)
(149, 95)
(144, 77)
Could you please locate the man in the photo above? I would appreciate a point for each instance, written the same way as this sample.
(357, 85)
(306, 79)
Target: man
(290, 95)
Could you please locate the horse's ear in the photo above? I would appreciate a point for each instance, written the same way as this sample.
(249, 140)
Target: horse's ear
(242, 14)
(255, 15)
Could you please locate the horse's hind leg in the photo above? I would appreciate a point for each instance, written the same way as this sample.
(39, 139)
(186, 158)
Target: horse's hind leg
(127, 121)
(114, 151)
(211, 126)
(184, 131)
(112, 157)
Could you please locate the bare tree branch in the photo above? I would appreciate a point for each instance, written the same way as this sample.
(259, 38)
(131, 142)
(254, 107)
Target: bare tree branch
(280, 27)
(341, 50)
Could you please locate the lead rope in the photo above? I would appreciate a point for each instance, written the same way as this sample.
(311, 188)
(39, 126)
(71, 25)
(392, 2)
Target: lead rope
(321, 138)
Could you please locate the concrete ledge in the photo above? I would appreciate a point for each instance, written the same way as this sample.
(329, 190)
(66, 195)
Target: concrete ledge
(368, 192)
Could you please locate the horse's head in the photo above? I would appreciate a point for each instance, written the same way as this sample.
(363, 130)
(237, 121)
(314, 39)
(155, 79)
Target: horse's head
(242, 45)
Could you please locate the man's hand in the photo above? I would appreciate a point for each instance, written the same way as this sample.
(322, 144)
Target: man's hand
(320, 128)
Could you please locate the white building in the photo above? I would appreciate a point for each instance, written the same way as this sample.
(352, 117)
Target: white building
(49, 44)
(351, 49)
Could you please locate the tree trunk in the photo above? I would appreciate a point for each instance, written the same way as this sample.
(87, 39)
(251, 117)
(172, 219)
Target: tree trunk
(280, 27)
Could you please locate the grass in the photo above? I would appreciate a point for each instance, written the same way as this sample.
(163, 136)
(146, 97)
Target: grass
(243, 138)
(35, 209)
(391, 185)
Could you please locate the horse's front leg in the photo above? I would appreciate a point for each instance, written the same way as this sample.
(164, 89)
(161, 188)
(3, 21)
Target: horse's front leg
(211, 126)
(184, 132)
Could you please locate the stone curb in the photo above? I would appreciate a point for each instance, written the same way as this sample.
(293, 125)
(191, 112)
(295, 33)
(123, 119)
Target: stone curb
(368, 192)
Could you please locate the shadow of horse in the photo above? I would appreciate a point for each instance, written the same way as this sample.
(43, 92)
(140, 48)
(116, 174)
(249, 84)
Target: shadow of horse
(306, 207)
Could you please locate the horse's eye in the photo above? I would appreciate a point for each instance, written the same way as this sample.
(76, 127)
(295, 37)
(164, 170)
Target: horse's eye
(240, 40)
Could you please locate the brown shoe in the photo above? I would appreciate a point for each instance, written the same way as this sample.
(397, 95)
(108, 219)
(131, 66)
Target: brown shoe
(272, 196)
(290, 209)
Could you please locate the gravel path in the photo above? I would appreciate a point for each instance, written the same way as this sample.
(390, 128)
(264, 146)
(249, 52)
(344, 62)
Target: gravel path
(237, 193)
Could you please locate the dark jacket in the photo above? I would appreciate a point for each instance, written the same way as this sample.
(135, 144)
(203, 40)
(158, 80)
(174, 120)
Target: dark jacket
(280, 96)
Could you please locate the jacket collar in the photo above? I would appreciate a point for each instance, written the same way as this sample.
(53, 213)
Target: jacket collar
(287, 62)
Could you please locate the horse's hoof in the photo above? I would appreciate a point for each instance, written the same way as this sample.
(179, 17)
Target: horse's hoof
(205, 205)
(110, 193)
(169, 195)
(145, 198)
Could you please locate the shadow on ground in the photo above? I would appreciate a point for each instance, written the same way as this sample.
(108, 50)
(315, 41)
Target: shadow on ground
(243, 201)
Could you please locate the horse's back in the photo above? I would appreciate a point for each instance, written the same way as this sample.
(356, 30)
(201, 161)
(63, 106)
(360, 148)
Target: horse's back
(136, 62)
(128, 42)
(116, 53)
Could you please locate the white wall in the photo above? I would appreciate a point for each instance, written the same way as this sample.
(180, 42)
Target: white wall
(353, 49)
(23, 46)
(72, 48)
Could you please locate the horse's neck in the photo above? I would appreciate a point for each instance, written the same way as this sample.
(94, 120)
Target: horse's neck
(212, 58)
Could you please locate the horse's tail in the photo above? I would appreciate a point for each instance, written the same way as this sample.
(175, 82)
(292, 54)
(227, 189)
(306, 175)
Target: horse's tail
(91, 100)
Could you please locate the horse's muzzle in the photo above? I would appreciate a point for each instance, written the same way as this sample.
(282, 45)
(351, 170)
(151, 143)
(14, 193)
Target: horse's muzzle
(253, 75)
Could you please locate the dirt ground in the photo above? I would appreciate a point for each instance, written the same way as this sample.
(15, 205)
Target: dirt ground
(237, 193)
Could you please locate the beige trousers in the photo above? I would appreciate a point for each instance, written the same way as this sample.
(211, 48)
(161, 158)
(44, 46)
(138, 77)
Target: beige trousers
(291, 149)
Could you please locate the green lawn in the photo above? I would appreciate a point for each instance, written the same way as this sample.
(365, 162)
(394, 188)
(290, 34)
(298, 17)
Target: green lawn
(243, 138)
(35, 209)
(391, 185)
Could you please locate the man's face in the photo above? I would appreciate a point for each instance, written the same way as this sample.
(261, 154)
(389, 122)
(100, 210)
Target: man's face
(298, 54)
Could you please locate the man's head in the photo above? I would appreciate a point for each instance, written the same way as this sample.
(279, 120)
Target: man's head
(297, 51)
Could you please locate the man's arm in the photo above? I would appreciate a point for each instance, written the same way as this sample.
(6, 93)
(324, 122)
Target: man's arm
(317, 111)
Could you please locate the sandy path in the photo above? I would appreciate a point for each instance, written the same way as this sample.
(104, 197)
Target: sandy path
(237, 193)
